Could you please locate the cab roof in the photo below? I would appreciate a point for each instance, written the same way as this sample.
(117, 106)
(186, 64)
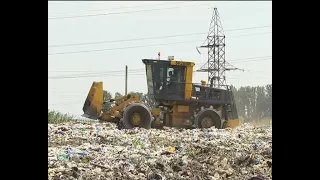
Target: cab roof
(168, 62)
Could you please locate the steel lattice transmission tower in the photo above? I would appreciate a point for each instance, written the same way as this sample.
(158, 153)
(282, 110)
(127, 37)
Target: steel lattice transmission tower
(216, 53)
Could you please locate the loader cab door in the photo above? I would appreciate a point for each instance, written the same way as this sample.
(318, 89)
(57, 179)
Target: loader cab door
(175, 82)
(165, 81)
(156, 74)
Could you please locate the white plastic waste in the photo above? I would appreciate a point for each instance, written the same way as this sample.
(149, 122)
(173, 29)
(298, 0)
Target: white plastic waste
(101, 151)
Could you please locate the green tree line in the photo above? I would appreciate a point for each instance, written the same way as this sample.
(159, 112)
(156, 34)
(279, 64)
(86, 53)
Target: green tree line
(253, 103)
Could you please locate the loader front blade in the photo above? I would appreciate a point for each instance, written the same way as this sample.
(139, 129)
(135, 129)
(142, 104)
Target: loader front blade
(93, 105)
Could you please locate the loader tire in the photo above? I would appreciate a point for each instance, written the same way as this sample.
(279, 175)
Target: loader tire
(136, 115)
(208, 118)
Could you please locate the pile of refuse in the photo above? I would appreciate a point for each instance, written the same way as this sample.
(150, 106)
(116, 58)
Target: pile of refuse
(101, 151)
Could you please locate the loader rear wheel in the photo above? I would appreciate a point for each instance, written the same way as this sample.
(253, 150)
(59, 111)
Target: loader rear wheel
(136, 115)
(208, 118)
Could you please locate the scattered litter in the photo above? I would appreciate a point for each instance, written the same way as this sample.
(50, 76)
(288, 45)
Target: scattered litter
(101, 151)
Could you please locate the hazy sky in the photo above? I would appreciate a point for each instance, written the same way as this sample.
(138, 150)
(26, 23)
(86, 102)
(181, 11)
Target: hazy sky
(91, 29)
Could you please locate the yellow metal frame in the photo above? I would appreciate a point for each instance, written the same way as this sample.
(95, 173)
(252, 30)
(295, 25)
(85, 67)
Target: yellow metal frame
(94, 100)
(183, 109)
(188, 74)
(95, 97)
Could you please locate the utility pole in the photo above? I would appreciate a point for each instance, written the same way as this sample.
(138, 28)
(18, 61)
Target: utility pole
(126, 81)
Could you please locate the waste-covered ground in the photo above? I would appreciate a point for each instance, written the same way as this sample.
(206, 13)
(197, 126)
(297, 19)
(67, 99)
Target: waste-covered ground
(101, 151)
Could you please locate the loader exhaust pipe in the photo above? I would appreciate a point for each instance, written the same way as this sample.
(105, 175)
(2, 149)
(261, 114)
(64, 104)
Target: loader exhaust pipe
(92, 107)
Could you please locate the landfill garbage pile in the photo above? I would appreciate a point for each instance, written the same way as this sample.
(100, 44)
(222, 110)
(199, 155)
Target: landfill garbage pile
(101, 151)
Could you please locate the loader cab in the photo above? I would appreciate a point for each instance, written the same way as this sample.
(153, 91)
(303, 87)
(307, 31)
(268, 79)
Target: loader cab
(167, 79)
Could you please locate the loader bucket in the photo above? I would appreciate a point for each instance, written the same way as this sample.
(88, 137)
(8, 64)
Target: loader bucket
(94, 102)
(232, 123)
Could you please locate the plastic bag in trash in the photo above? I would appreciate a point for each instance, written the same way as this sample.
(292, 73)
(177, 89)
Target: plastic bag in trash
(157, 154)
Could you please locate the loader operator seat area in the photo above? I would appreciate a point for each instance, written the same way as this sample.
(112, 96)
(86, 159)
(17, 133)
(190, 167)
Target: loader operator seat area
(166, 81)
(176, 80)
(172, 79)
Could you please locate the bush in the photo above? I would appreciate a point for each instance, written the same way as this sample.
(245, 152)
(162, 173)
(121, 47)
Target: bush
(55, 117)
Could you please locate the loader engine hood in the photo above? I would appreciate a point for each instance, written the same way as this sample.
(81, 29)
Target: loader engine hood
(93, 105)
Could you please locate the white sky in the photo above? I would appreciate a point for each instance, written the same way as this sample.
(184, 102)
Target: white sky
(118, 21)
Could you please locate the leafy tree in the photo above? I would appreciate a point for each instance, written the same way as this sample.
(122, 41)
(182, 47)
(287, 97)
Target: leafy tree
(117, 94)
(106, 96)
(269, 99)
(253, 102)
(260, 102)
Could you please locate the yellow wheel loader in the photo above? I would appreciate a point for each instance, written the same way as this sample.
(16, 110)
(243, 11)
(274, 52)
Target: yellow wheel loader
(177, 102)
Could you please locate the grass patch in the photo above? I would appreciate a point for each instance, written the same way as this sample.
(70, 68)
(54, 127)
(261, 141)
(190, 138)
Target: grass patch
(55, 117)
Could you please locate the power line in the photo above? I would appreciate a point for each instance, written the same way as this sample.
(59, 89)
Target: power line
(126, 7)
(88, 75)
(249, 34)
(256, 77)
(125, 12)
(242, 36)
(263, 72)
(65, 103)
(233, 60)
(157, 37)
(109, 49)
(261, 58)
(250, 58)
(142, 69)
(99, 75)
(250, 71)
(253, 60)
(112, 73)
(99, 72)
(117, 71)
(54, 92)
(84, 76)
